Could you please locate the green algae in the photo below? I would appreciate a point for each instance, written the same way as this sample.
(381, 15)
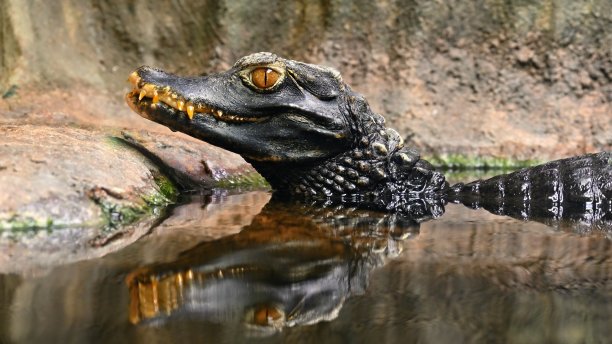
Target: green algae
(471, 162)
(116, 142)
(20, 223)
(168, 191)
(118, 213)
(469, 175)
(246, 181)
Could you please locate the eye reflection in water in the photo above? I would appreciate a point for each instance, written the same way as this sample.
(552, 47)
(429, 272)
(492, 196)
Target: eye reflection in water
(297, 264)
(293, 265)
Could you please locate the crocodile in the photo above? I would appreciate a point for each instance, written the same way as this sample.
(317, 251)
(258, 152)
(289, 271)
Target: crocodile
(312, 137)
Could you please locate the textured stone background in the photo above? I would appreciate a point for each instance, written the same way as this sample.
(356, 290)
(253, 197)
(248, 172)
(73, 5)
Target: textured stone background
(517, 78)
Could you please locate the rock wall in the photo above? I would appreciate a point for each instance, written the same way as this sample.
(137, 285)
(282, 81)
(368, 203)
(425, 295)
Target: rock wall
(518, 78)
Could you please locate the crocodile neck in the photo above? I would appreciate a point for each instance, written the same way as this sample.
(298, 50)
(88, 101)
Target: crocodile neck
(378, 163)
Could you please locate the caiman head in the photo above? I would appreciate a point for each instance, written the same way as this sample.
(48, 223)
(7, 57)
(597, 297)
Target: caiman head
(298, 124)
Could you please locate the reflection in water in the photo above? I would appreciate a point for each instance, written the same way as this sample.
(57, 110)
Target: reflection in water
(297, 265)
(221, 269)
(293, 265)
(578, 217)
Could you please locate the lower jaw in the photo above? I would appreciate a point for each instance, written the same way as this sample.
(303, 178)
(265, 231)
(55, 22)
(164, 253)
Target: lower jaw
(133, 104)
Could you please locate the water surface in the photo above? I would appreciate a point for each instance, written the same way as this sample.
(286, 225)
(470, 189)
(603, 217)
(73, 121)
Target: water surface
(226, 267)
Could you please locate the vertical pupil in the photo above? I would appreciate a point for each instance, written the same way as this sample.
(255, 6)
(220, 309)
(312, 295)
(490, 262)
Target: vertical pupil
(266, 76)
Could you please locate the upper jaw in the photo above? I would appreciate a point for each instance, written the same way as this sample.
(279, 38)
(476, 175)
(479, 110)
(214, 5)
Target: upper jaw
(147, 93)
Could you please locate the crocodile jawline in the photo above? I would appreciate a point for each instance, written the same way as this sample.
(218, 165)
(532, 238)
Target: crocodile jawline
(146, 97)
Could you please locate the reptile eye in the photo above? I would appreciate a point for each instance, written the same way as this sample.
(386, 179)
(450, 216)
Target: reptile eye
(264, 78)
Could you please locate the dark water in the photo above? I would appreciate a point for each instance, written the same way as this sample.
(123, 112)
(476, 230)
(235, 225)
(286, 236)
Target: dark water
(224, 268)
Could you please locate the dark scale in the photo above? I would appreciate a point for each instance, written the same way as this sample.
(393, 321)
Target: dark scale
(375, 175)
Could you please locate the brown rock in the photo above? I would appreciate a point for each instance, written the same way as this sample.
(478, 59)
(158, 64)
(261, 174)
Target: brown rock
(49, 174)
(65, 192)
(68, 194)
(191, 162)
(524, 55)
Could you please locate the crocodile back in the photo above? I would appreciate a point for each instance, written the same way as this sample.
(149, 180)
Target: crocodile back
(578, 188)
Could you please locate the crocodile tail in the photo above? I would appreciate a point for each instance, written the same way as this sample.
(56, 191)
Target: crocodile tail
(578, 188)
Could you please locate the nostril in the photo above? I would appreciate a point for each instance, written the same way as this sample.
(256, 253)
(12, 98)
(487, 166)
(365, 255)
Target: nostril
(147, 69)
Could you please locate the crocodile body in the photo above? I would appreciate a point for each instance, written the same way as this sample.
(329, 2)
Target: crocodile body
(313, 138)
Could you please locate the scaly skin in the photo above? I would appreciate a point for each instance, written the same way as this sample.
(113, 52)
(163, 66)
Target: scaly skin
(312, 137)
(578, 189)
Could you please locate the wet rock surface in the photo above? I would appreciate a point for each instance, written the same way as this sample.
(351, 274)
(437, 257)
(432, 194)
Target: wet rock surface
(59, 177)
(71, 193)
(68, 193)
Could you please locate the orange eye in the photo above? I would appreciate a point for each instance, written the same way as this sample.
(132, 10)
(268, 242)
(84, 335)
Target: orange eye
(264, 77)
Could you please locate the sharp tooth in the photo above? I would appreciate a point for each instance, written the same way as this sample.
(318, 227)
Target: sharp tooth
(142, 94)
(155, 97)
(190, 111)
(219, 113)
(180, 104)
(166, 89)
(173, 96)
(153, 106)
